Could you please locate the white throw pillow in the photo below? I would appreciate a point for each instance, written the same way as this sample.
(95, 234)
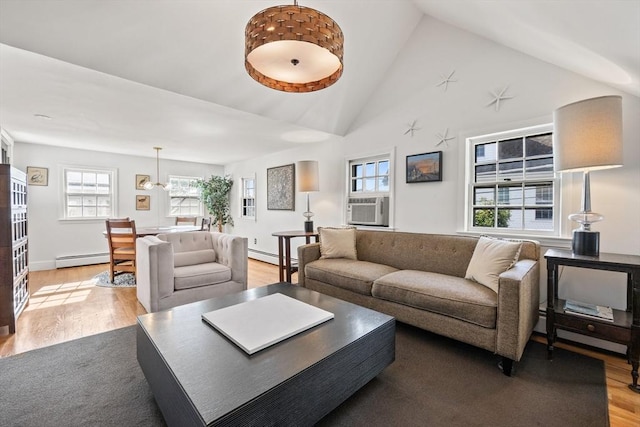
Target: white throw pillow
(338, 242)
(491, 258)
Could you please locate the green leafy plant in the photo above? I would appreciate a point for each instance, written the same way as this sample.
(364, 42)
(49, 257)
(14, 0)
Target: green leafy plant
(485, 218)
(215, 196)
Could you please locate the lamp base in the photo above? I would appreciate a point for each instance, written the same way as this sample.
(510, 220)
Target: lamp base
(308, 226)
(586, 243)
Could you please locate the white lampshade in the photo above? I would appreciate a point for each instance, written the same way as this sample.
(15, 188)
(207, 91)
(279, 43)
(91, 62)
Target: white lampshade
(308, 176)
(588, 135)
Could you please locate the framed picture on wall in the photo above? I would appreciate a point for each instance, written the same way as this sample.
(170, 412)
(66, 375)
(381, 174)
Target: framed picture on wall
(281, 188)
(141, 180)
(37, 175)
(143, 203)
(425, 167)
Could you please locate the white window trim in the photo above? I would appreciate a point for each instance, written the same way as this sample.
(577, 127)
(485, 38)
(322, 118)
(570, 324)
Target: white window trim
(564, 186)
(391, 154)
(255, 198)
(62, 214)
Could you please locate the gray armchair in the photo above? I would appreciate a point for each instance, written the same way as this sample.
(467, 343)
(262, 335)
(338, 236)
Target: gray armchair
(179, 268)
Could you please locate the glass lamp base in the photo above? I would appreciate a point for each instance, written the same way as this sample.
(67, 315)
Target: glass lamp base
(308, 226)
(586, 242)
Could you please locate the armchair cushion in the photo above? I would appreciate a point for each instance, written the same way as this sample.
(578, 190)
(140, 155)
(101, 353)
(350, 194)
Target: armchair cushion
(181, 259)
(192, 276)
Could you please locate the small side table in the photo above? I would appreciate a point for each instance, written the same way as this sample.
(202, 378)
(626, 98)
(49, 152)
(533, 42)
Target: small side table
(625, 328)
(284, 251)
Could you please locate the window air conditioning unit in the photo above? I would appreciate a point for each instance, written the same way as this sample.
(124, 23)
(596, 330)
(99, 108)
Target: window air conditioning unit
(368, 211)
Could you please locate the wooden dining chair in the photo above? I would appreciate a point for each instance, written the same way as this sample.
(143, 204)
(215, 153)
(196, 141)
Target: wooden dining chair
(186, 220)
(121, 234)
(206, 224)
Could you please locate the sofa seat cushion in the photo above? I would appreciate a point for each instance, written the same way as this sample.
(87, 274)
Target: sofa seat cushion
(193, 276)
(448, 295)
(353, 275)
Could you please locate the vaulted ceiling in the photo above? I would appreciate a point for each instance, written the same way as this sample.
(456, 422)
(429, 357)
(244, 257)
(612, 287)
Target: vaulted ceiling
(126, 75)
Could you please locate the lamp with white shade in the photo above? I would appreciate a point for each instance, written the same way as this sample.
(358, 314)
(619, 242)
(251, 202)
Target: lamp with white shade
(308, 181)
(587, 137)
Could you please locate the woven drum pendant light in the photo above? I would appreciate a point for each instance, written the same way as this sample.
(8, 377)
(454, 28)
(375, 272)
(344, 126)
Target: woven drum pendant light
(293, 49)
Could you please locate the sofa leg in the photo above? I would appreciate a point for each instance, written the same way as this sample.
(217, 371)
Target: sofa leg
(506, 366)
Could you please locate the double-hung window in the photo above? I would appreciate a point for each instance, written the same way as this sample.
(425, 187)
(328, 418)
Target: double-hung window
(511, 182)
(369, 175)
(88, 193)
(248, 198)
(184, 196)
(370, 190)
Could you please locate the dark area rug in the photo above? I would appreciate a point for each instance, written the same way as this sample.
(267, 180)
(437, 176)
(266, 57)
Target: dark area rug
(96, 381)
(122, 280)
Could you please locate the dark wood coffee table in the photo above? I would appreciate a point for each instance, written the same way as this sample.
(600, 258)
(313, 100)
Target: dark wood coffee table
(198, 377)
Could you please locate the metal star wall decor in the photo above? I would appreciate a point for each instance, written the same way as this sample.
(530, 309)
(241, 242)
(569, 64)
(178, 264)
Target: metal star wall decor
(443, 138)
(446, 80)
(412, 128)
(499, 96)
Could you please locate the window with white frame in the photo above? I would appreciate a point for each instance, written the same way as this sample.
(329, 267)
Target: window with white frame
(369, 175)
(88, 193)
(184, 196)
(248, 198)
(511, 182)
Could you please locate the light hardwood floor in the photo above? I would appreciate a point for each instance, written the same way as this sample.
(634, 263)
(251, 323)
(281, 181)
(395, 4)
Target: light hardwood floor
(65, 304)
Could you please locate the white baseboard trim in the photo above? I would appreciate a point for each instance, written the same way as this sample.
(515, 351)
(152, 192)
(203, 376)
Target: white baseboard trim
(78, 260)
(42, 265)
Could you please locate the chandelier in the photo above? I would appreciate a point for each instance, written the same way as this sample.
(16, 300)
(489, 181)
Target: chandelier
(293, 49)
(150, 185)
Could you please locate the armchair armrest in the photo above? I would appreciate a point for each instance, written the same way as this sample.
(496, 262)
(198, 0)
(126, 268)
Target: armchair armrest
(306, 254)
(518, 307)
(232, 251)
(154, 271)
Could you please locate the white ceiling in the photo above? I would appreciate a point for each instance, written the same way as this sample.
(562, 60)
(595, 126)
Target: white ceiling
(126, 75)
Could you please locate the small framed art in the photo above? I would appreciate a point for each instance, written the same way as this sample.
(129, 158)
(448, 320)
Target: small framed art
(143, 203)
(425, 167)
(37, 175)
(141, 180)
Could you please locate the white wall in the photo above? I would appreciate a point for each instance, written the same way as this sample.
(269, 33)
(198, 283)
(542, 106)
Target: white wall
(51, 237)
(410, 92)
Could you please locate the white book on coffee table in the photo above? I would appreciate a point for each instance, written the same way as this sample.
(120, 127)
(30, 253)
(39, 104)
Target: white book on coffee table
(262, 322)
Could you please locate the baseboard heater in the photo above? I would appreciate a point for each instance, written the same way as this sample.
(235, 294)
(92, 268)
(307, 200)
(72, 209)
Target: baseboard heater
(263, 256)
(78, 260)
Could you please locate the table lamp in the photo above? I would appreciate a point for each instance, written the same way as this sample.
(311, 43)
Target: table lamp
(307, 182)
(587, 136)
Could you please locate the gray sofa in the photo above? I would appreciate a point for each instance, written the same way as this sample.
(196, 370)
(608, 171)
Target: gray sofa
(179, 268)
(419, 279)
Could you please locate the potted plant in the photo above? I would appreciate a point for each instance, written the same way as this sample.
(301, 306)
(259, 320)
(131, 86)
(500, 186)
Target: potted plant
(215, 196)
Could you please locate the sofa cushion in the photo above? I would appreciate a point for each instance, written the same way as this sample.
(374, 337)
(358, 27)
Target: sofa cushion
(490, 259)
(353, 275)
(337, 242)
(448, 295)
(192, 276)
(180, 259)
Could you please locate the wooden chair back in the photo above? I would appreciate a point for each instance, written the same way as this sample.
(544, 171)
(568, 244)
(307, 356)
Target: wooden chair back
(121, 234)
(186, 220)
(206, 224)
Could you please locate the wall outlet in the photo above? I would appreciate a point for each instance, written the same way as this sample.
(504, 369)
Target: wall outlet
(255, 241)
